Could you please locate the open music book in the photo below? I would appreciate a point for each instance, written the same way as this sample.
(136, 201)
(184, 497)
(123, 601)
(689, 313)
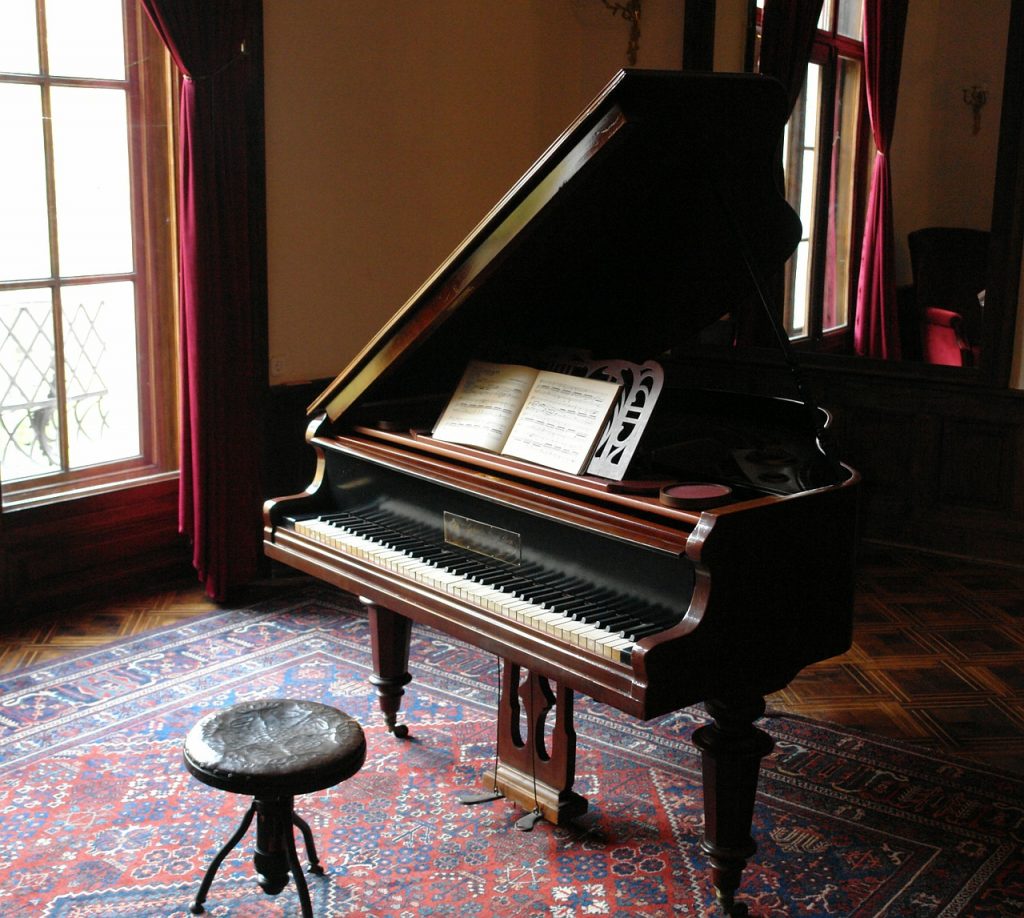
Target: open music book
(552, 419)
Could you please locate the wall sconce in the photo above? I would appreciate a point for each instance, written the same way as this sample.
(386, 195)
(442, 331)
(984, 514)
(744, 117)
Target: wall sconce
(630, 11)
(975, 98)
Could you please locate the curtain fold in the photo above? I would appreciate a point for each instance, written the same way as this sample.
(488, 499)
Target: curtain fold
(787, 34)
(876, 327)
(221, 367)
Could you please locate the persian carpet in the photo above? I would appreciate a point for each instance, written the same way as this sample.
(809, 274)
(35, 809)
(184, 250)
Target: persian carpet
(100, 818)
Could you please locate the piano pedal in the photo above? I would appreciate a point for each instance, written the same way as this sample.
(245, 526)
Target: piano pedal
(527, 822)
(482, 797)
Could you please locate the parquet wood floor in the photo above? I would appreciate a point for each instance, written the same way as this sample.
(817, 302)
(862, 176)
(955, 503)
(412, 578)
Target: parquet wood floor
(937, 658)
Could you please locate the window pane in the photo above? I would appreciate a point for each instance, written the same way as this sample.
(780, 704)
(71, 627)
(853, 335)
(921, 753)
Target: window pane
(796, 323)
(837, 300)
(100, 372)
(849, 18)
(24, 236)
(29, 420)
(801, 164)
(825, 17)
(19, 43)
(812, 95)
(90, 150)
(85, 39)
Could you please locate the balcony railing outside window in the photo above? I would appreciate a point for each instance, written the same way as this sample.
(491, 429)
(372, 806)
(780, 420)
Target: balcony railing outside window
(78, 326)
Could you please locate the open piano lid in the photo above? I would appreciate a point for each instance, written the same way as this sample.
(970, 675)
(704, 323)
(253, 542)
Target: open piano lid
(653, 215)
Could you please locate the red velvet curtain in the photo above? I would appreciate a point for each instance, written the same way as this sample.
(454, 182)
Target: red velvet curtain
(876, 328)
(215, 45)
(787, 34)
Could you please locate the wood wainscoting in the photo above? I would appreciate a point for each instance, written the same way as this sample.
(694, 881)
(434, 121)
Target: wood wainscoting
(943, 462)
(65, 552)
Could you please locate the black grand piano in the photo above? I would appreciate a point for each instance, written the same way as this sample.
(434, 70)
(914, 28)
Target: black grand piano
(652, 229)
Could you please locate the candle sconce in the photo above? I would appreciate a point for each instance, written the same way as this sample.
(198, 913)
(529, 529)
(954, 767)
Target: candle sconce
(975, 98)
(630, 11)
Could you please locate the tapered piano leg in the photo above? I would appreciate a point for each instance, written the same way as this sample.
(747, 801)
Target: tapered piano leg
(389, 640)
(731, 752)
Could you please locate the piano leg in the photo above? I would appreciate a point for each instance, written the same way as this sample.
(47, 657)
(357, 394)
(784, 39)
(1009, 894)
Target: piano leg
(389, 639)
(731, 752)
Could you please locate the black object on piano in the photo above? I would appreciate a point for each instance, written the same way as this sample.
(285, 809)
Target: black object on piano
(649, 223)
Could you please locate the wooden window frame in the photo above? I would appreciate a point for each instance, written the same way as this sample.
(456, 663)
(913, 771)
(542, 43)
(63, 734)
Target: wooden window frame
(152, 116)
(828, 49)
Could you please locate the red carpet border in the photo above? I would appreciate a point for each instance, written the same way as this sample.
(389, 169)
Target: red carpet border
(99, 818)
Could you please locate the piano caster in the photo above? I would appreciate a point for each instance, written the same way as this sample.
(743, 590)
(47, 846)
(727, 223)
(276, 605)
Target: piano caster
(401, 731)
(730, 907)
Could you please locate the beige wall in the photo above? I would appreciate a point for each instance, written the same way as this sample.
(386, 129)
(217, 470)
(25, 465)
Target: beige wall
(393, 127)
(942, 173)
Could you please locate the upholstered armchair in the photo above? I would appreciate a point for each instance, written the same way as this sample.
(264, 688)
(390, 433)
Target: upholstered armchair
(950, 270)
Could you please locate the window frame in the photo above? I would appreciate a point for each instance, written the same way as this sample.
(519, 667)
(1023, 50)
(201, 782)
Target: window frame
(827, 50)
(829, 54)
(151, 98)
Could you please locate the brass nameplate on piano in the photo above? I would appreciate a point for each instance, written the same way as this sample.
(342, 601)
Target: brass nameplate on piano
(484, 539)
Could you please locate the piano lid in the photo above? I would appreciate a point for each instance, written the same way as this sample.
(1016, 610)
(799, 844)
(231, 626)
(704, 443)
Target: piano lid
(640, 226)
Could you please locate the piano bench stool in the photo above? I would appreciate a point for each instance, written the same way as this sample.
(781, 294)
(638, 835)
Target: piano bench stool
(273, 750)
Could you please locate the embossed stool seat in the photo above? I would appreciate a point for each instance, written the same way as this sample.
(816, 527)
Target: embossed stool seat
(273, 750)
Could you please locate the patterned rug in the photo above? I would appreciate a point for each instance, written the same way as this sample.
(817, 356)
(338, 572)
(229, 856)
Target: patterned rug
(98, 817)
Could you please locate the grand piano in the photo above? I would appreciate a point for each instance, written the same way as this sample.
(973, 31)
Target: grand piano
(651, 230)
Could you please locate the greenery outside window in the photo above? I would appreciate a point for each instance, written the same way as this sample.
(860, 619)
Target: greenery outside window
(87, 250)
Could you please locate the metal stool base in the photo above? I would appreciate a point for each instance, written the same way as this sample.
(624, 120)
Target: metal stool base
(275, 855)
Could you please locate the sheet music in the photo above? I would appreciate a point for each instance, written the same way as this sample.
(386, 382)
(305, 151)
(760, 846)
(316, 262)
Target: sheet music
(485, 405)
(560, 421)
(552, 419)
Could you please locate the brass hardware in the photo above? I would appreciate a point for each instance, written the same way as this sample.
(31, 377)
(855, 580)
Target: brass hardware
(630, 11)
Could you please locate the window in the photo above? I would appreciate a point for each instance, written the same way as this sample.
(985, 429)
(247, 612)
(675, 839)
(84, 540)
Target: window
(826, 146)
(87, 333)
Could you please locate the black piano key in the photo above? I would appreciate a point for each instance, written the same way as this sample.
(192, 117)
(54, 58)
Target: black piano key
(651, 626)
(503, 581)
(589, 599)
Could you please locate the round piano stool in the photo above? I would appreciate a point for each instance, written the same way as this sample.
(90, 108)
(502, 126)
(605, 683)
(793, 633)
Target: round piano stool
(273, 750)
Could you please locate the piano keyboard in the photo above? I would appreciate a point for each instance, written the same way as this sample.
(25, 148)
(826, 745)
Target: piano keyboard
(596, 619)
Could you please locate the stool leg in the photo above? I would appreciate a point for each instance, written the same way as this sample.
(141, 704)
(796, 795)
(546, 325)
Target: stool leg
(307, 835)
(300, 880)
(197, 906)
